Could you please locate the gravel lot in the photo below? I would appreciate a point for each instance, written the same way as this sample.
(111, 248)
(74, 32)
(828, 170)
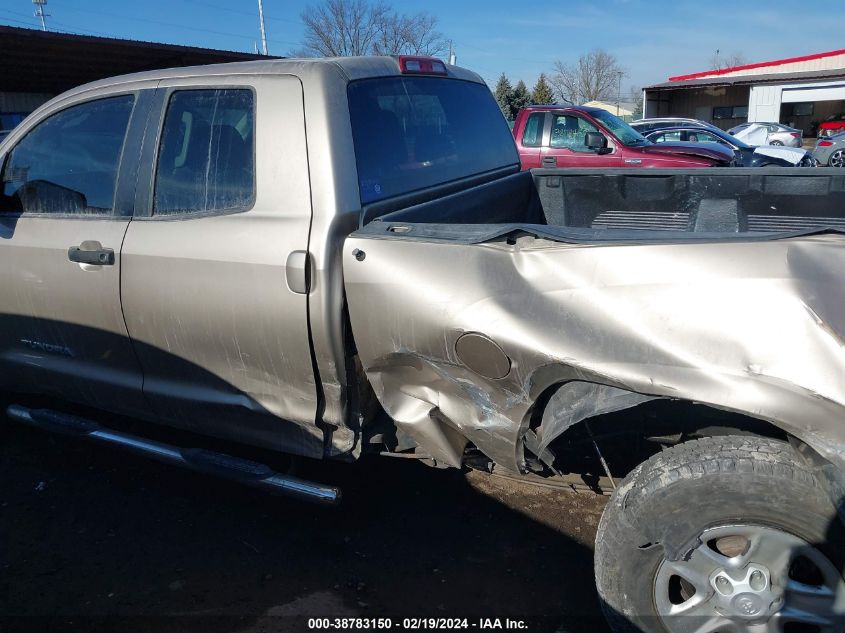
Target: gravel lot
(96, 540)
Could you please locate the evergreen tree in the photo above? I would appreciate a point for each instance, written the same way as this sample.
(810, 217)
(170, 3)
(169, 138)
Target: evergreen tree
(542, 93)
(521, 97)
(504, 96)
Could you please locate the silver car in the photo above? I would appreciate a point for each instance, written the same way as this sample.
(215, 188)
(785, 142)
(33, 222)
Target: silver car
(779, 134)
(831, 151)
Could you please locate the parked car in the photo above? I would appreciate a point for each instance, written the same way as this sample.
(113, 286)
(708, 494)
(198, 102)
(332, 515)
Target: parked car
(830, 150)
(342, 258)
(580, 136)
(778, 133)
(647, 125)
(832, 126)
(746, 155)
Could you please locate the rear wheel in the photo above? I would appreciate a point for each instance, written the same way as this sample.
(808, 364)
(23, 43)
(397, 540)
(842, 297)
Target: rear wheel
(837, 159)
(722, 534)
(776, 143)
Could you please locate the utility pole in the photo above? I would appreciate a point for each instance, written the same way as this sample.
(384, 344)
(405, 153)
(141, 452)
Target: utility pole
(618, 92)
(39, 12)
(261, 22)
(453, 59)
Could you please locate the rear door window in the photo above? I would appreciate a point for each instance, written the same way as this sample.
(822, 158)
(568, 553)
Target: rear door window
(702, 136)
(206, 160)
(411, 133)
(533, 135)
(68, 163)
(666, 137)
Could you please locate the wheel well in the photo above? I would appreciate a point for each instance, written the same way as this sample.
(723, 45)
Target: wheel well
(630, 435)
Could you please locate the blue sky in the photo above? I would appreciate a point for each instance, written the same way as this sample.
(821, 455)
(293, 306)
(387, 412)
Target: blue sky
(652, 39)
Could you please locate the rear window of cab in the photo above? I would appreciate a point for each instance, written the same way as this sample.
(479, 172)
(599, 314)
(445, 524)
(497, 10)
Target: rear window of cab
(412, 133)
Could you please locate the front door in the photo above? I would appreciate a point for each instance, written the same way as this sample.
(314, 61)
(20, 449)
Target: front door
(64, 210)
(566, 147)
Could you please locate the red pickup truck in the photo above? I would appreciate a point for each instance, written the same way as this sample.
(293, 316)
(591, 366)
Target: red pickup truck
(579, 136)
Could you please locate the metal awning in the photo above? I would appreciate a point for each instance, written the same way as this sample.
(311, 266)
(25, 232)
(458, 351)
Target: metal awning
(745, 80)
(48, 62)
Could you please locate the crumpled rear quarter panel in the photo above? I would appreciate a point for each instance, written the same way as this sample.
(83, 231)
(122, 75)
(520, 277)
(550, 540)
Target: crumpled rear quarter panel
(755, 327)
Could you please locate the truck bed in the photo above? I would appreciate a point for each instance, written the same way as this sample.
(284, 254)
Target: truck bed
(617, 204)
(717, 287)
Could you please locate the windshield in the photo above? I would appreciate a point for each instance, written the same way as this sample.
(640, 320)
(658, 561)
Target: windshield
(411, 133)
(620, 129)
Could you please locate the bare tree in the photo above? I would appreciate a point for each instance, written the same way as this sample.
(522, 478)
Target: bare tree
(409, 35)
(424, 38)
(345, 28)
(342, 28)
(594, 76)
(721, 60)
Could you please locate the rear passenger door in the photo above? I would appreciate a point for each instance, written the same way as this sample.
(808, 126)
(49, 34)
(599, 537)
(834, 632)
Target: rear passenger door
(68, 184)
(214, 262)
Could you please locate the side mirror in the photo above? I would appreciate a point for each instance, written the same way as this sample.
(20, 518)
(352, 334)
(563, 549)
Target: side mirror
(596, 141)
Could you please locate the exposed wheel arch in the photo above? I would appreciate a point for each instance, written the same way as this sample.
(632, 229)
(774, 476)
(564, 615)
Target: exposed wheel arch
(563, 408)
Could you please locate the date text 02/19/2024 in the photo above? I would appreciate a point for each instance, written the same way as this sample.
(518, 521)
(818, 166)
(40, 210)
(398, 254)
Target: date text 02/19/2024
(411, 624)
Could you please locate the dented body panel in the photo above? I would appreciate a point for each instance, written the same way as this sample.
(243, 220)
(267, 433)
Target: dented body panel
(754, 327)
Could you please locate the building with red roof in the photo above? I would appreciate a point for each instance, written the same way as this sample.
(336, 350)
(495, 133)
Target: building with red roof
(802, 92)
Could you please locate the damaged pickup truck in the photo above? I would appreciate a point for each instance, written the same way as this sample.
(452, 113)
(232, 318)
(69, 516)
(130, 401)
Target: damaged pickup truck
(337, 258)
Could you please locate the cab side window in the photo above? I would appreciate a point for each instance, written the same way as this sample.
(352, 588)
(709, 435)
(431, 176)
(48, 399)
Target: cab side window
(68, 163)
(206, 159)
(570, 131)
(533, 134)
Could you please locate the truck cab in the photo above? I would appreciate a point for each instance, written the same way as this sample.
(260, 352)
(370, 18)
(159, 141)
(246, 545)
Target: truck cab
(587, 137)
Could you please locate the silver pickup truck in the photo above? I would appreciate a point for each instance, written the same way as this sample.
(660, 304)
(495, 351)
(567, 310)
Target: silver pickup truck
(339, 258)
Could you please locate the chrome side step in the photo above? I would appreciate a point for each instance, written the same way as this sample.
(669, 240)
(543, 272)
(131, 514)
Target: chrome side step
(245, 471)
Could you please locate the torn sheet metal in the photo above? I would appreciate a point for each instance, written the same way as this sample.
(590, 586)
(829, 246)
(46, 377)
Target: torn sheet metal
(577, 401)
(754, 134)
(754, 327)
(792, 154)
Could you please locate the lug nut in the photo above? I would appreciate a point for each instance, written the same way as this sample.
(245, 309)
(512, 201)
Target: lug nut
(757, 580)
(724, 585)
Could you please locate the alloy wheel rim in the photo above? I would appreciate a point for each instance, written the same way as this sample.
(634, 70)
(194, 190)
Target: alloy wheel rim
(750, 578)
(837, 159)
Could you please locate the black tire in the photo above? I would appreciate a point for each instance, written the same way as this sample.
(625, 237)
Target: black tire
(776, 143)
(665, 503)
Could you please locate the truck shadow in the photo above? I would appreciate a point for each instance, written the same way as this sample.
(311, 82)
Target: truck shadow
(96, 540)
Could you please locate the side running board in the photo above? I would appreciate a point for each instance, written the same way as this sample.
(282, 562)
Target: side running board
(245, 471)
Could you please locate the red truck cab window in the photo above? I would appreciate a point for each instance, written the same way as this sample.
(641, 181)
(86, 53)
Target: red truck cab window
(533, 135)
